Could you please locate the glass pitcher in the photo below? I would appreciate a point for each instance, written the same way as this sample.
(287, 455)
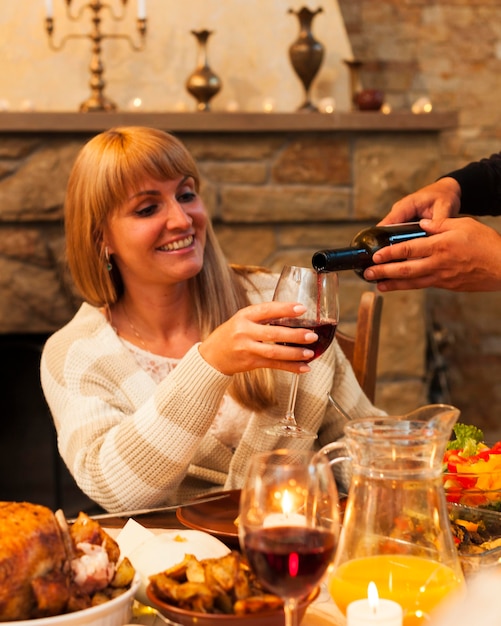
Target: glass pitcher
(396, 530)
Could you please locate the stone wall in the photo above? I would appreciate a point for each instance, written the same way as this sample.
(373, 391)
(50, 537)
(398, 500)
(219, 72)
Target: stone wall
(450, 51)
(275, 200)
(274, 197)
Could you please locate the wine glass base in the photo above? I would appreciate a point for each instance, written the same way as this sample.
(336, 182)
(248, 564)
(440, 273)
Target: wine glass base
(284, 429)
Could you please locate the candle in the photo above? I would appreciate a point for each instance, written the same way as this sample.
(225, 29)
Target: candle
(268, 105)
(327, 105)
(374, 611)
(422, 105)
(48, 8)
(141, 9)
(286, 517)
(135, 104)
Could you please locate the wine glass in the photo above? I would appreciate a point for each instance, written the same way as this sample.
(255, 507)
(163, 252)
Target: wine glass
(318, 292)
(289, 523)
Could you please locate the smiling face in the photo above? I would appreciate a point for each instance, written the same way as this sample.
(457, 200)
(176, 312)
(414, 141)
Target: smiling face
(157, 235)
(133, 189)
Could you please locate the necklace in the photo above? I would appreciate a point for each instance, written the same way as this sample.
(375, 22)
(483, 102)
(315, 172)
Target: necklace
(134, 329)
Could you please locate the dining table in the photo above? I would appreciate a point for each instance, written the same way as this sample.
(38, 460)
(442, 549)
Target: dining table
(216, 514)
(322, 612)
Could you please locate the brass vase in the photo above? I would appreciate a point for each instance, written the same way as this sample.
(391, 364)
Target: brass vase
(203, 84)
(306, 54)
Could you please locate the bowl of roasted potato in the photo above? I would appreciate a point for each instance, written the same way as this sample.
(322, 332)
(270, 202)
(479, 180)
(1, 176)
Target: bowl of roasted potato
(216, 591)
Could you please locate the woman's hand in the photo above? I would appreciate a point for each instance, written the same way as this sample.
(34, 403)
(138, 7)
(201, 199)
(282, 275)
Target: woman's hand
(247, 341)
(461, 255)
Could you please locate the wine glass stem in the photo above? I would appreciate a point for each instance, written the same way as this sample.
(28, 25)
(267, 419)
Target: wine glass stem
(289, 415)
(290, 610)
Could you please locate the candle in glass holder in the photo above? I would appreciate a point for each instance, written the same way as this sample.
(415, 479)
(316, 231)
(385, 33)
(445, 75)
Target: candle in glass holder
(374, 611)
(286, 517)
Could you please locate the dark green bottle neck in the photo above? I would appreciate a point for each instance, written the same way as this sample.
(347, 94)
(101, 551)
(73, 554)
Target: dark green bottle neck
(359, 255)
(341, 259)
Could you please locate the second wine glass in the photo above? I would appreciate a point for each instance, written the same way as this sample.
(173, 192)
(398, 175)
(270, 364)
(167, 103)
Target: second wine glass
(318, 292)
(289, 523)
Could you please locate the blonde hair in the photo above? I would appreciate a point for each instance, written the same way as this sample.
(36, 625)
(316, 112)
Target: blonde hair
(106, 169)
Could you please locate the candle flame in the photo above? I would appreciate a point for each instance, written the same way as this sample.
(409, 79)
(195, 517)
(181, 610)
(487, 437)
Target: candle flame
(286, 503)
(373, 596)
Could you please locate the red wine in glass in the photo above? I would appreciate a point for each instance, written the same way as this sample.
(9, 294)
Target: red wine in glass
(319, 294)
(290, 561)
(324, 329)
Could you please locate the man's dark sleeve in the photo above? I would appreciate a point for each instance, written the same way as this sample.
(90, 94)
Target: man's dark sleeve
(480, 184)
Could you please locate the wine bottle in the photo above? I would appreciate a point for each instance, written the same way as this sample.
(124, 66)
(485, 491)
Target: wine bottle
(358, 256)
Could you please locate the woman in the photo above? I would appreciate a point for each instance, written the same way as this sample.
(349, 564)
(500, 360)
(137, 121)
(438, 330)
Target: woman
(162, 383)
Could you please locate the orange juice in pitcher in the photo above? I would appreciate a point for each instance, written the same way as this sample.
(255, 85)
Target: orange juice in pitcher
(396, 530)
(416, 583)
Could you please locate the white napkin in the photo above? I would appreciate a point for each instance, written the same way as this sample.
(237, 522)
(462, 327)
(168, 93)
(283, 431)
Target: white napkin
(479, 604)
(153, 551)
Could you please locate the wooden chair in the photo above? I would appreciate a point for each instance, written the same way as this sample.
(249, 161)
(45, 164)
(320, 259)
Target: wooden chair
(362, 348)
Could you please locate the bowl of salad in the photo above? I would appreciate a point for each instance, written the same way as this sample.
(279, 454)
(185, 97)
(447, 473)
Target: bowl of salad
(472, 469)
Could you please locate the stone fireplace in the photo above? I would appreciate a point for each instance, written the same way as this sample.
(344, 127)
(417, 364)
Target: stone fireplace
(278, 187)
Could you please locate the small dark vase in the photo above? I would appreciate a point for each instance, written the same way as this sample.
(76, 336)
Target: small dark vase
(363, 99)
(369, 99)
(306, 54)
(203, 84)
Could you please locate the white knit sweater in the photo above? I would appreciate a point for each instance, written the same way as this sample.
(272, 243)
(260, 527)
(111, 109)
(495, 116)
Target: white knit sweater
(133, 443)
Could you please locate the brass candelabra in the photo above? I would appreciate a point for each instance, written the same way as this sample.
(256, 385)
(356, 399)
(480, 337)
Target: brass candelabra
(97, 100)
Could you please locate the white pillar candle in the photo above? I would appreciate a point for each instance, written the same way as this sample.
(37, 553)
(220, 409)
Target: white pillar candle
(141, 9)
(286, 517)
(48, 8)
(374, 611)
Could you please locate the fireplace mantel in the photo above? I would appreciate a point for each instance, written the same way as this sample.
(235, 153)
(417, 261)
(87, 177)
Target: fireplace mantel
(217, 122)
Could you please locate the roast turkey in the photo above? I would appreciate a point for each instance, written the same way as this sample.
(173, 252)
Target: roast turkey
(48, 568)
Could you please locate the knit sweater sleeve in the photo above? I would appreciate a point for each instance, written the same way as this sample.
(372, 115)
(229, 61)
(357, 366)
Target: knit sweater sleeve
(480, 184)
(127, 441)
